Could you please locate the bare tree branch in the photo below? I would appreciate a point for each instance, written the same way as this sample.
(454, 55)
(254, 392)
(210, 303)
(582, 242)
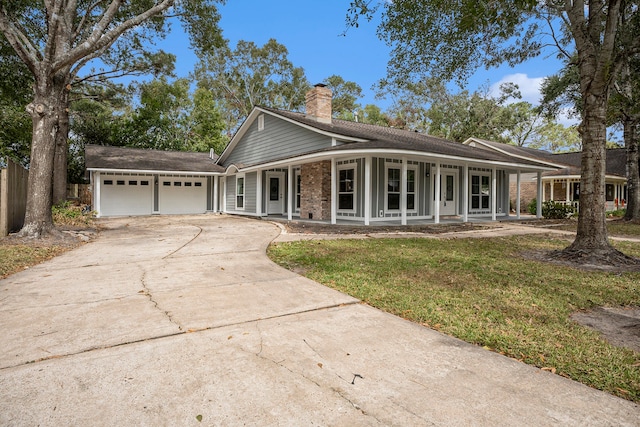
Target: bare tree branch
(97, 40)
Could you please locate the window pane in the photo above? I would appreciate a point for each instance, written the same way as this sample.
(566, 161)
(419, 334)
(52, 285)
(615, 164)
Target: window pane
(274, 189)
(240, 186)
(449, 195)
(240, 201)
(393, 201)
(475, 202)
(411, 201)
(346, 181)
(345, 201)
(475, 184)
(411, 181)
(610, 192)
(485, 202)
(393, 180)
(485, 185)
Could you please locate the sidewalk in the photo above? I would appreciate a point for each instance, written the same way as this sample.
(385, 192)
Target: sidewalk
(185, 321)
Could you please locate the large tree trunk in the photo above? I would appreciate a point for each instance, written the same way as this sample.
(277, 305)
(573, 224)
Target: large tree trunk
(592, 228)
(38, 219)
(633, 170)
(594, 29)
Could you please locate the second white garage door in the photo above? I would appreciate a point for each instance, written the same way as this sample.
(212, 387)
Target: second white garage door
(182, 195)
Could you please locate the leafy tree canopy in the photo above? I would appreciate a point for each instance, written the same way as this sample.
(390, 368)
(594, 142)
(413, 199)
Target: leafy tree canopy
(250, 76)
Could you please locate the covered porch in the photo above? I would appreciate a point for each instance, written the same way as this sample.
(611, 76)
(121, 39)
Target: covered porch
(566, 189)
(376, 189)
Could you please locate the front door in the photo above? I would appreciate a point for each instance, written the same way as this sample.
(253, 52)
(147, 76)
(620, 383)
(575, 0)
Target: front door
(448, 193)
(275, 193)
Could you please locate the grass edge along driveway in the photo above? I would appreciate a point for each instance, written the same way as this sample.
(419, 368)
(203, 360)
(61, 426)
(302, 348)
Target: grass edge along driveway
(484, 292)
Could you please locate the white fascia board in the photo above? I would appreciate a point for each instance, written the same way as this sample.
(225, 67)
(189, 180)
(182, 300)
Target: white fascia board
(562, 177)
(326, 155)
(257, 111)
(531, 159)
(151, 171)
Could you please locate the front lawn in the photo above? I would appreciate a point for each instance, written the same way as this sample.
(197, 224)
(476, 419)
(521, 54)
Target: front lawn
(484, 292)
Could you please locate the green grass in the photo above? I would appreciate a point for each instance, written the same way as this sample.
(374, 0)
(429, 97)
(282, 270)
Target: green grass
(484, 292)
(14, 258)
(623, 228)
(615, 228)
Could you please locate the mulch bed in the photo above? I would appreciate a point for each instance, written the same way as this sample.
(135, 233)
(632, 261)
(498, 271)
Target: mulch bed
(304, 227)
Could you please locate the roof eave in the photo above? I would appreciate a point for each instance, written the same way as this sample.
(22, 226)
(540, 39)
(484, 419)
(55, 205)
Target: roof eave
(327, 155)
(153, 171)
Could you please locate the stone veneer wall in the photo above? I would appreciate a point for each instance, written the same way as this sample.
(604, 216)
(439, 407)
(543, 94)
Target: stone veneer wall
(315, 190)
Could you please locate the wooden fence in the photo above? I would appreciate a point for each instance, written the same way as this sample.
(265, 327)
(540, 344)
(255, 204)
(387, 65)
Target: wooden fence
(13, 197)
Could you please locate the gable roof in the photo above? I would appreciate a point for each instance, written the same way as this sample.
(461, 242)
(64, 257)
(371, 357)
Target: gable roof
(616, 161)
(136, 159)
(519, 152)
(362, 136)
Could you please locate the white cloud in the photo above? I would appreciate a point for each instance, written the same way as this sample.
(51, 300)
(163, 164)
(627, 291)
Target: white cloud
(529, 86)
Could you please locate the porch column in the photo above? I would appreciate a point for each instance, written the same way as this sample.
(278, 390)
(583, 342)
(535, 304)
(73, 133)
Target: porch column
(465, 193)
(553, 181)
(494, 195)
(367, 190)
(290, 180)
(518, 189)
(403, 193)
(224, 194)
(259, 193)
(436, 195)
(334, 196)
(216, 193)
(96, 197)
(567, 194)
(540, 196)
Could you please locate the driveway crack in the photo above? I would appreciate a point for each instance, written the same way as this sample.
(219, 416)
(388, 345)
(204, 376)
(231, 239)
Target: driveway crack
(188, 243)
(147, 292)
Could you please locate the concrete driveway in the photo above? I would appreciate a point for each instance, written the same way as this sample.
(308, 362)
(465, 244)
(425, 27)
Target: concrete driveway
(183, 321)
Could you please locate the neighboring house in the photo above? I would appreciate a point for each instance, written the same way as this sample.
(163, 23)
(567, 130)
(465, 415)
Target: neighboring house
(311, 166)
(563, 184)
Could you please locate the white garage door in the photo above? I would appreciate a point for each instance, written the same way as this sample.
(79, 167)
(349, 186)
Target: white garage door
(126, 195)
(182, 195)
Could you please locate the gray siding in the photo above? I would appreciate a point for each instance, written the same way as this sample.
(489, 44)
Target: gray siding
(250, 193)
(231, 193)
(279, 139)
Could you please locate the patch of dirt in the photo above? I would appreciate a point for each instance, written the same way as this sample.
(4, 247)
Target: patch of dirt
(300, 227)
(587, 262)
(66, 237)
(619, 326)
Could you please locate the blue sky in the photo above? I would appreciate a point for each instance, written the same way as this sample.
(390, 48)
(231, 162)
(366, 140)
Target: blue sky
(311, 31)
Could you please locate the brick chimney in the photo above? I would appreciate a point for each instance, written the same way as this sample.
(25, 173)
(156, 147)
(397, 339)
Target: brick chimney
(318, 103)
